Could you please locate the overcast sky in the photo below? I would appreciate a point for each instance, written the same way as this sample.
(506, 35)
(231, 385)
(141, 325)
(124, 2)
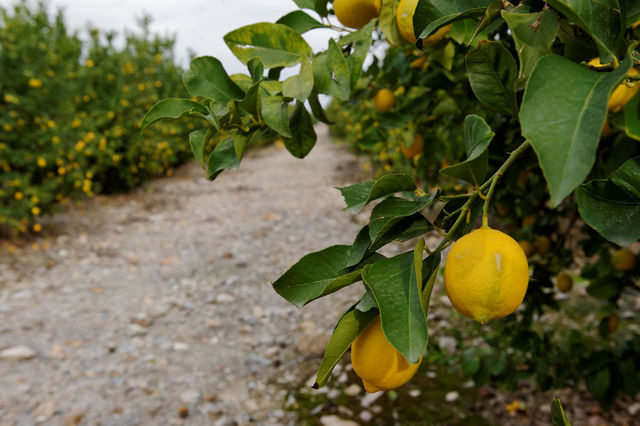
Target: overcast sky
(198, 24)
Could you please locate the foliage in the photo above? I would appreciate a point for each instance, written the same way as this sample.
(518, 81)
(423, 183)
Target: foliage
(509, 99)
(70, 110)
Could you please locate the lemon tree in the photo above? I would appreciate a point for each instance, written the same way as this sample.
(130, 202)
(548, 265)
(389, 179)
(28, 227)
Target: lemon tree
(516, 133)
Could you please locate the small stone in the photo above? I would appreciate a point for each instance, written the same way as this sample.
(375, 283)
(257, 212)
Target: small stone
(135, 330)
(366, 416)
(159, 310)
(208, 397)
(44, 410)
(449, 344)
(214, 323)
(251, 406)
(180, 346)
(333, 420)
(414, 393)
(183, 411)
(18, 353)
(353, 390)
(633, 409)
(370, 398)
(142, 319)
(190, 396)
(225, 298)
(545, 408)
(452, 396)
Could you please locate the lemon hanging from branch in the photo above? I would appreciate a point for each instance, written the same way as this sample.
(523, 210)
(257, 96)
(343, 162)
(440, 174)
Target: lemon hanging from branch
(486, 275)
(377, 362)
(404, 19)
(356, 13)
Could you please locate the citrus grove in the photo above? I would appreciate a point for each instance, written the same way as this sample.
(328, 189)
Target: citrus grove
(69, 113)
(508, 130)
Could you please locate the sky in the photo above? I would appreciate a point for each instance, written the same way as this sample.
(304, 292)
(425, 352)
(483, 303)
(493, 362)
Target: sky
(198, 24)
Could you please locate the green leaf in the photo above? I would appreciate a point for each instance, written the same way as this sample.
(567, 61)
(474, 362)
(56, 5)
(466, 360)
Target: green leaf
(629, 375)
(256, 69)
(388, 23)
(317, 110)
(612, 206)
(319, 6)
(207, 78)
(603, 288)
(299, 86)
(196, 140)
(397, 292)
(491, 13)
(492, 75)
(477, 137)
(600, 19)
(360, 194)
(558, 417)
(172, 108)
(241, 142)
(348, 328)
(598, 383)
(632, 117)
(250, 101)
(243, 81)
(562, 114)
(300, 22)
(463, 32)
(303, 135)
(316, 274)
(275, 44)
(433, 14)
(331, 72)
(221, 158)
(360, 42)
(275, 113)
(533, 34)
(391, 210)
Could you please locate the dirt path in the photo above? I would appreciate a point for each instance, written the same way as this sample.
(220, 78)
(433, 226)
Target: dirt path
(138, 306)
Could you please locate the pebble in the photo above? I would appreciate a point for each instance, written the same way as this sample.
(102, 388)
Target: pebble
(333, 420)
(183, 411)
(18, 353)
(365, 416)
(44, 410)
(180, 346)
(633, 409)
(452, 396)
(135, 330)
(190, 396)
(142, 319)
(353, 390)
(224, 298)
(370, 398)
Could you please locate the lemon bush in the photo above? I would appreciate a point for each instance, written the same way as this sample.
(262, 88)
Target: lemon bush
(515, 128)
(69, 113)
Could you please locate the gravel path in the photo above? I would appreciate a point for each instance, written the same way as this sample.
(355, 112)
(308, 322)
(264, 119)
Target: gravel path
(155, 307)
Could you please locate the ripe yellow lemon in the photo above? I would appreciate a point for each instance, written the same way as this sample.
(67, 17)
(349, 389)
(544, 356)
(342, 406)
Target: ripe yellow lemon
(377, 362)
(384, 101)
(564, 283)
(486, 275)
(404, 19)
(356, 13)
(415, 148)
(542, 244)
(623, 260)
(623, 93)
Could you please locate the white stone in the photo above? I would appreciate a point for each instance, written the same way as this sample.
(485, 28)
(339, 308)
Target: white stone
(180, 346)
(451, 396)
(332, 420)
(18, 353)
(353, 390)
(190, 396)
(370, 398)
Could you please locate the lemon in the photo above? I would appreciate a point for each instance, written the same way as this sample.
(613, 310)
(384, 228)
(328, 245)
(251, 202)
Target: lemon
(486, 275)
(623, 260)
(564, 283)
(404, 19)
(542, 244)
(623, 93)
(613, 323)
(377, 363)
(384, 101)
(414, 149)
(356, 13)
